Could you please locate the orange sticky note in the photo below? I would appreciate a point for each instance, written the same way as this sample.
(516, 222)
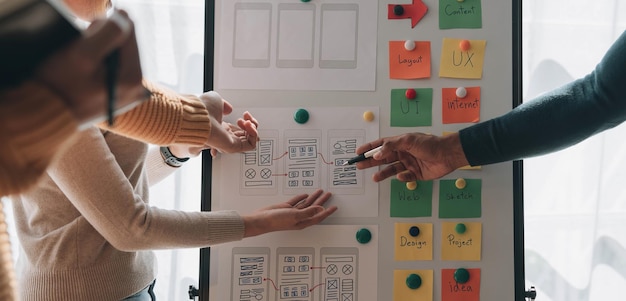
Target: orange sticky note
(459, 63)
(451, 290)
(409, 64)
(460, 110)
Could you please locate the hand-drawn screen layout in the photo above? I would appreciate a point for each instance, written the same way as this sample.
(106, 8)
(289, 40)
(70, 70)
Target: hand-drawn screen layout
(293, 158)
(309, 265)
(317, 45)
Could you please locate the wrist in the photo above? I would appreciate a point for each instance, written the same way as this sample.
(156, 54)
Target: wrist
(170, 158)
(453, 151)
(251, 225)
(178, 151)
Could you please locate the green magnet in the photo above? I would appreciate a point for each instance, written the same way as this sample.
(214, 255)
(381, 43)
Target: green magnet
(301, 116)
(363, 236)
(461, 275)
(414, 281)
(460, 228)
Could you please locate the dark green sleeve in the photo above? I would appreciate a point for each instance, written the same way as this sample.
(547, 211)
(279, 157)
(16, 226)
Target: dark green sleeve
(555, 120)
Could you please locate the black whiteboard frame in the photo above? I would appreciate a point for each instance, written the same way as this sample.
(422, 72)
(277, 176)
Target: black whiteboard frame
(518, 188)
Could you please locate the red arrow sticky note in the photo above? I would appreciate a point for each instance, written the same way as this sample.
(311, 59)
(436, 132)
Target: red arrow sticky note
(415, 11)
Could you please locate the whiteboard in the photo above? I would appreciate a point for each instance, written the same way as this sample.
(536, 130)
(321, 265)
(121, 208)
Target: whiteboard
(335, 62)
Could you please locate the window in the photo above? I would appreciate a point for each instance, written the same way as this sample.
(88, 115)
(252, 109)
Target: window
(574, 199)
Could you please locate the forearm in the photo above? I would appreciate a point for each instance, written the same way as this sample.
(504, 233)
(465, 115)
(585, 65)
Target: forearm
(156, 167)
(166, 118)
(117, 207)
(555, 120)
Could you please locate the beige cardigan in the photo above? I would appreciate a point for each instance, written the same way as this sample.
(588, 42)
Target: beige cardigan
(87, 229)
(35, 125)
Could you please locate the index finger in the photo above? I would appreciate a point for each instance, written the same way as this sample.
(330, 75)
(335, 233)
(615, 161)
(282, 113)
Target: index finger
(369, 146)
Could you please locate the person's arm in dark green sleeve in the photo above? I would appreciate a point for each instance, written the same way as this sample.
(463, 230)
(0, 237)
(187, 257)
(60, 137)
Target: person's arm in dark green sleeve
(555, 120)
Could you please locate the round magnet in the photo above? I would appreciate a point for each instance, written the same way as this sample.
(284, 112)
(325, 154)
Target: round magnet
(461, 92)
(461, 275)
(411, 185)
(465, 45)
(413, 281)
(414, 231)
(460, 183)
(301, 116)
(368, 116)
(363, 236)
(409, 45)
(460, 228)
(410, 94)
(398, 10)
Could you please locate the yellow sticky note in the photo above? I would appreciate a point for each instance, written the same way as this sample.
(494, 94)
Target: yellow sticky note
(402, 291)
(461, 245)
(466, 167)
(459, 63)
(409, 246)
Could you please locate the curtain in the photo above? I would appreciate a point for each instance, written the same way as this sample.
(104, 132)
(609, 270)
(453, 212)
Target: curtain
(170, 35)
(574, 199)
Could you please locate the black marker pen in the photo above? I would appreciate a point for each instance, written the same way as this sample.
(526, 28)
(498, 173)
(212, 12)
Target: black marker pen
(112, 62)
(362, 157)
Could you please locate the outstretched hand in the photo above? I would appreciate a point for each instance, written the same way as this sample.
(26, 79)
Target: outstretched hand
(297, 213)
(414, 156)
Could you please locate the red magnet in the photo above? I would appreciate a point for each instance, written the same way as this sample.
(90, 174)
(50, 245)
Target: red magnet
(410, 94)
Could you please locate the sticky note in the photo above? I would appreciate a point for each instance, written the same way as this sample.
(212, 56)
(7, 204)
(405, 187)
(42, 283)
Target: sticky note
(405, 64)
(455, 109)
(402, 292)
(455, 14)
(456, 63)
(454, 291)
(411, 203)
(409, 247)
(414, 11)
(466, 167)
(460, 203)
(411, 112)
(461, 246)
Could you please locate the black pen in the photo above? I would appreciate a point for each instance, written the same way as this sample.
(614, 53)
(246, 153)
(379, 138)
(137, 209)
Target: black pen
(112, 62)
(363, 156)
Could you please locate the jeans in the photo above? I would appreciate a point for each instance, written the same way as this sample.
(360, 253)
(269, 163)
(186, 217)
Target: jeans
(146, 294)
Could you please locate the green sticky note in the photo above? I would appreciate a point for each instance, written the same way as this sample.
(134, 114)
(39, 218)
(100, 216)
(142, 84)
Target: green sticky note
(460, 203)
(411, 203)
(460, 14)
(412, 112)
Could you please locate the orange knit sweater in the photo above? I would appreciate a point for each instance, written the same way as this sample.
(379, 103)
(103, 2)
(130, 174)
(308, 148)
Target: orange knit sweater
(35, 125)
